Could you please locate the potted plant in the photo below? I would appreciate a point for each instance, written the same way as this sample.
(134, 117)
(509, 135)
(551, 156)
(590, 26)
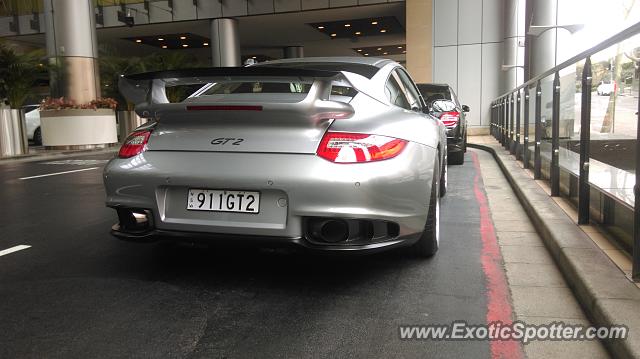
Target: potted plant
(18, 74)
(68, 125)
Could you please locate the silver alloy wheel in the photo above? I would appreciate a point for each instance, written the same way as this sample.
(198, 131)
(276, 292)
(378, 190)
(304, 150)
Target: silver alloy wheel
(437, 219)
(446, 174)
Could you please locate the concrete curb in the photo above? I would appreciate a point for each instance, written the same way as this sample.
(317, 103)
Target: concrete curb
(51, 156)
(602, 290)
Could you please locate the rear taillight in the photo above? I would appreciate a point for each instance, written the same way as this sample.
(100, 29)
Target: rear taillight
(135, 144)
(450, 118)
(343, 147)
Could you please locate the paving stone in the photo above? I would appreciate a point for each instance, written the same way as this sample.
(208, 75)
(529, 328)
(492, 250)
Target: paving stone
(525, 254)
(519, 239)
(546, 302)
(512, 225)
(534, 275)
(562, 349)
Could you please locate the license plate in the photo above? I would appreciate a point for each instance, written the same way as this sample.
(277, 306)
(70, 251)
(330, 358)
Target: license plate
(223, 201)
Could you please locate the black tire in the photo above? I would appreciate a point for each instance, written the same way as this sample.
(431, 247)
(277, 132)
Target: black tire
(465, 143)
(427, 245)
(456, 158)
(444, 178)
(37, 137)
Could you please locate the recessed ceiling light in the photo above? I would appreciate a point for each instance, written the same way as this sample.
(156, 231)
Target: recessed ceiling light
(160, 39)
(185, 45)
(386, 53)
(254, 57)
(164, 46)
(183, 37)
(383, 30)
(366, 54)
(347, 25)
(320, 27)
(399, 47)
(205, 44)
(138, 41)
(334, 35)
(374, 23)
(358, 33)
(379, 48)
(404, 51)
(359, 50)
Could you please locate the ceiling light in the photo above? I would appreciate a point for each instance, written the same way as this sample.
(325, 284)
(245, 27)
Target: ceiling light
(366, 54)
(205, 44)
(374, 23)
(404, 51)
(386, 53)
(347, 25)
(383, 30)
(320, 27)
(183, 37)
(399, 47)
(379, 48)
(160, 39)
(358, 33)
(185, 45)
(334, 35)
(359, 50)
(138, 41)
(164, 46)
(254, 57)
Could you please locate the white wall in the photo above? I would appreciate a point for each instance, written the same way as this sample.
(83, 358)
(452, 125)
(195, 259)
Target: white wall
(468, 50)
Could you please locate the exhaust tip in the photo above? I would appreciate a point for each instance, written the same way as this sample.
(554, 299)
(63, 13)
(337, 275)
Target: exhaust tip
(330, 230)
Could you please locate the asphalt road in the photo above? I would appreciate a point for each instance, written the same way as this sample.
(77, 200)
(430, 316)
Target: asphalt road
(79, 293)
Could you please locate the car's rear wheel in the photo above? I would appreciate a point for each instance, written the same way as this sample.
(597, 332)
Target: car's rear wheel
(37, 137)
(456, 158)
(428, 243)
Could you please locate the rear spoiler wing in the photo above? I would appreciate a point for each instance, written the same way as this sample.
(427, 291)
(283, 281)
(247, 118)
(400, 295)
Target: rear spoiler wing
(148, 90)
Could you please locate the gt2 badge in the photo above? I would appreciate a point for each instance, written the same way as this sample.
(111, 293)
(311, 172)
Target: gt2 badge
(226, 140)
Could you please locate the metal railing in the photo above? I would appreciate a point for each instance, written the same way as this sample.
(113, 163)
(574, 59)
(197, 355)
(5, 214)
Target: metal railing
(506, 123)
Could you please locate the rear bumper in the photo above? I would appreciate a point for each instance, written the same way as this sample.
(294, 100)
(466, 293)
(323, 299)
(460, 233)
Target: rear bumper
(395, 191)
(207, 239)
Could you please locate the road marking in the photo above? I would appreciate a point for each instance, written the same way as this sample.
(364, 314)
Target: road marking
(59, 173)
(13, 249)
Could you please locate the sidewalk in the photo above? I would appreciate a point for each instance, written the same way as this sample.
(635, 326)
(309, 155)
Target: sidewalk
(593, 271)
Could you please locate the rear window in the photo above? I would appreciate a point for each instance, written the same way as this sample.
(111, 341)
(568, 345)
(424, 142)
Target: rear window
(254, 87)
(431, 93)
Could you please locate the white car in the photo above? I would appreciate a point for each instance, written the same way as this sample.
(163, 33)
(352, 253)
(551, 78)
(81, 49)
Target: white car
(605, 89)
(32, 118)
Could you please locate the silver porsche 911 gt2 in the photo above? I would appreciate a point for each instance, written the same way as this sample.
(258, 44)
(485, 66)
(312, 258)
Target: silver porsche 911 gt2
(330, 154)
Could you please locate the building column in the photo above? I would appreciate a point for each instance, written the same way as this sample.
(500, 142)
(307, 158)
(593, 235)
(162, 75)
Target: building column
(542, 53)
(72, 49)
(225, 42)
(514, 38)
(291, 52)
(420, 39)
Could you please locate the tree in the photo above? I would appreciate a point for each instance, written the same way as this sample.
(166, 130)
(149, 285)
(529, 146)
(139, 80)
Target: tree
(18, 74)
